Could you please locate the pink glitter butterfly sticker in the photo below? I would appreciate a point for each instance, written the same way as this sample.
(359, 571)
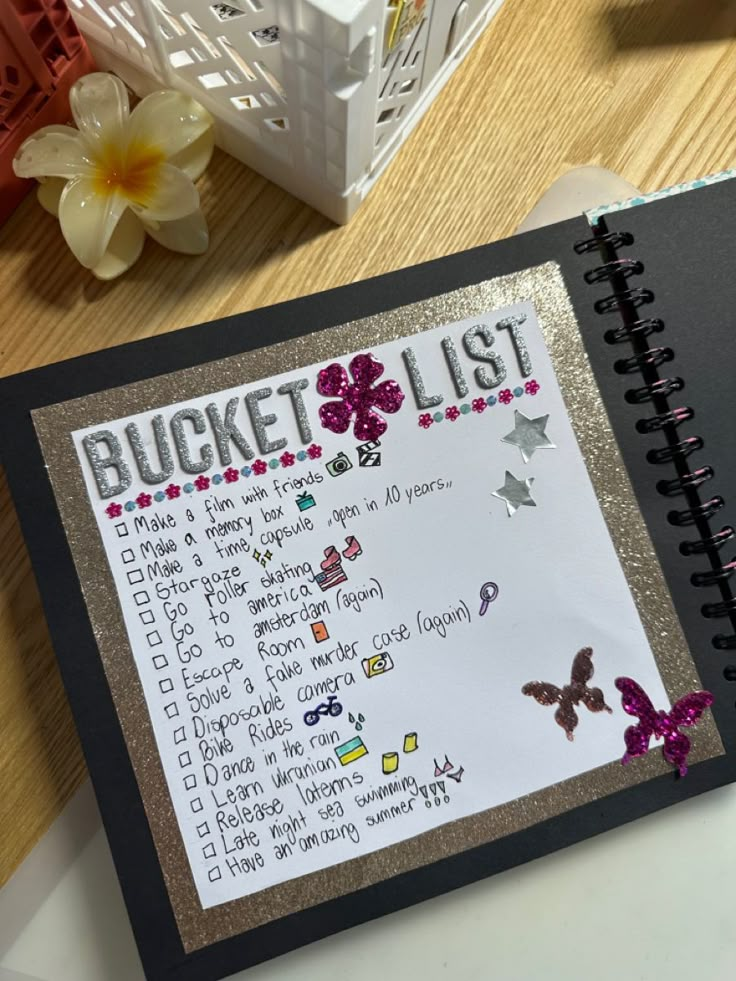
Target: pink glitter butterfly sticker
(358, 399)
(660, 725)
(570, 696)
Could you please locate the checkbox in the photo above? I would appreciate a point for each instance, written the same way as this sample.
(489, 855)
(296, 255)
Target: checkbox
(122, 529)
(154, 638)
(166, 685)
(185, 759)
(180, 736)
(209, 851)
(128, 556)
(203, 830)
(141, 598)
(214, 873)
(171, 710)
(190, 781)
(147, 617)
(135, 576)
(160, 661)
(197, 805)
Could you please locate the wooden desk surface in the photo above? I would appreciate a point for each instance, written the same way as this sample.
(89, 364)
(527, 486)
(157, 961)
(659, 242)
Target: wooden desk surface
(643, 87)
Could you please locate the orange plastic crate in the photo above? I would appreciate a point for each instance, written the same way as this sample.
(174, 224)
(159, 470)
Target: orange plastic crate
(41, 54)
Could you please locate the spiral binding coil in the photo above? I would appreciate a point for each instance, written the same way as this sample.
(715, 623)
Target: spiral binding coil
(626, 300)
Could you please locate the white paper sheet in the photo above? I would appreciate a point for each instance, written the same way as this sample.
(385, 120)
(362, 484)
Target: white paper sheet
(229, 661)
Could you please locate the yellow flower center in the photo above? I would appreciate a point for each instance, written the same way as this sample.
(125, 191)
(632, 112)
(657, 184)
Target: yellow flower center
(131, 169)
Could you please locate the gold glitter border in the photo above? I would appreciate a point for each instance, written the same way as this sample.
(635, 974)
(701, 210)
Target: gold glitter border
(545, 288)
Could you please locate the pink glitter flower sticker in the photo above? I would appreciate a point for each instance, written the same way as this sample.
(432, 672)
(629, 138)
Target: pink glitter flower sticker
(452, 413)
(259, 467)
(143, 500)
(231, 475)
(314, 452)
(287, 459)
(531, 387)
(425, 420)
(479, 405)
(505, 396)
(660, 725)
(172, 491)
(202, 483)
(359, 399)
(114, 510)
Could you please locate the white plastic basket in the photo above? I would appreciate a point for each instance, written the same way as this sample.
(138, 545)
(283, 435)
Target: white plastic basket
(317, 95)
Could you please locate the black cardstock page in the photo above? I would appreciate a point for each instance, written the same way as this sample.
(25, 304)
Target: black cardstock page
(685, 247)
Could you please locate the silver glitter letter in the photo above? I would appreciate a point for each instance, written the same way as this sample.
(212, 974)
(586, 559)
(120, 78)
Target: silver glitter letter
(295, 389)
(226, 430)
(260, 421)
(423, 400)
(513, 324)
(480, 352)
(114, 460)
(456, 370)
(199, 425)
(141, 455)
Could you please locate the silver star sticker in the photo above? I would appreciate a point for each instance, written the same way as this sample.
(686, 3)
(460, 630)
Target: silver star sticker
(529, 435)
(515, 493)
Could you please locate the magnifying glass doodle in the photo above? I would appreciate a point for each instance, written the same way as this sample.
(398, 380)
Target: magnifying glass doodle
(488, 593)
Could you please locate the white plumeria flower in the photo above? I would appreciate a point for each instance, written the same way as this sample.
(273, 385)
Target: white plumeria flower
(122, 173)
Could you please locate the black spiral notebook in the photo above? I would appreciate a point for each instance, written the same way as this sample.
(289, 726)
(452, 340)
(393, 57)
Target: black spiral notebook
(366, 596)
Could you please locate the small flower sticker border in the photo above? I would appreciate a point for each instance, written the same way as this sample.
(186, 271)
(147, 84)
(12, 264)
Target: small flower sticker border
(478, 405)
(230, 475)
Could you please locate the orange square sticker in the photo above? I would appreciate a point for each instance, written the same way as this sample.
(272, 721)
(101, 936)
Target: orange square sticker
(320, 631)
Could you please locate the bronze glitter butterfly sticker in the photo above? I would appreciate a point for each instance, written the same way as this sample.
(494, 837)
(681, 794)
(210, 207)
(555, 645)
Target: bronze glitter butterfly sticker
(576, 693)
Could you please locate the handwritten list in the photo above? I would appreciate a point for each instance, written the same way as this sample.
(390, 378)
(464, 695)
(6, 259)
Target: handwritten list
(332, 628)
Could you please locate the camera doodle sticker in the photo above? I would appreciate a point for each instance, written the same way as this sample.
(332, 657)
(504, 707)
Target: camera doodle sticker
(336, 582)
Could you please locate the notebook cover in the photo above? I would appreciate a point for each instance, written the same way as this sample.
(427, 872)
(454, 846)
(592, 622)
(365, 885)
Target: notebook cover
(115, 783)
(683, 243)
